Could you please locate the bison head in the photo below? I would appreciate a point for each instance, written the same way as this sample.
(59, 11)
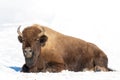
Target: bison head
(32, 39)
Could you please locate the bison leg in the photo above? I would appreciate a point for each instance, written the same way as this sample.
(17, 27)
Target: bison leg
(55, 67)
(25, 68)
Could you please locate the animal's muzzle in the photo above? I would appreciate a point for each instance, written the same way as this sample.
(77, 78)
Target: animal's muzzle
(28, 52)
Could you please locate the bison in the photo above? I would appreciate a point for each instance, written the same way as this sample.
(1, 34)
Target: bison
(46, 50)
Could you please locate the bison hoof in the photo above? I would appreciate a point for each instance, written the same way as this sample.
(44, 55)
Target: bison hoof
(99, 68)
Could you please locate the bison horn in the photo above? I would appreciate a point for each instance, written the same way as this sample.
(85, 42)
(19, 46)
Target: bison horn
(18, 31)
(42, 31)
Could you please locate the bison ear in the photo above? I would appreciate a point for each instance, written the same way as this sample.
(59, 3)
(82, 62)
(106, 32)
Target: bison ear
(43, 39)
(20, 39)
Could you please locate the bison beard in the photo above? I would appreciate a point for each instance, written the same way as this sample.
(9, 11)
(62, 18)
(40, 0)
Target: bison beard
(29, 62)
(60, 52)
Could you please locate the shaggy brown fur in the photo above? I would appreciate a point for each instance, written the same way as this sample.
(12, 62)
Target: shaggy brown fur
(60, 52)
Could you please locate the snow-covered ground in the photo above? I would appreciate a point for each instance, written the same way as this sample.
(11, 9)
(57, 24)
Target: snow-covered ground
(91, 20)
(11, 60)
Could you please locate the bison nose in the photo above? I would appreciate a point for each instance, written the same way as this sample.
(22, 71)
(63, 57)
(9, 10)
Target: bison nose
(28, 52)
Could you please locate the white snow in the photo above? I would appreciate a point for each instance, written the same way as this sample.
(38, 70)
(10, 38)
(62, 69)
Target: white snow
(96, 21)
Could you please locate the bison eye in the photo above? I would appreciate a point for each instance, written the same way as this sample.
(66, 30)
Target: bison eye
(40, 40)
(37, 39)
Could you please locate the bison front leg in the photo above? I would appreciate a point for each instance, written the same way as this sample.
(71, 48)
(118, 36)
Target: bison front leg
(25, 68)
(55, 67)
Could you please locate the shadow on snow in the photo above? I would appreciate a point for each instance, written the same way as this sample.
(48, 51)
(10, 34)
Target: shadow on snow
(17, 69)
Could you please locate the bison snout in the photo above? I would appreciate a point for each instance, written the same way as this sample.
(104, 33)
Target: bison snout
(28, 52)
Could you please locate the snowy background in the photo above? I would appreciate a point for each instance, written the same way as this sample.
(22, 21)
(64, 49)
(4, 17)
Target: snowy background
(95, 21)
